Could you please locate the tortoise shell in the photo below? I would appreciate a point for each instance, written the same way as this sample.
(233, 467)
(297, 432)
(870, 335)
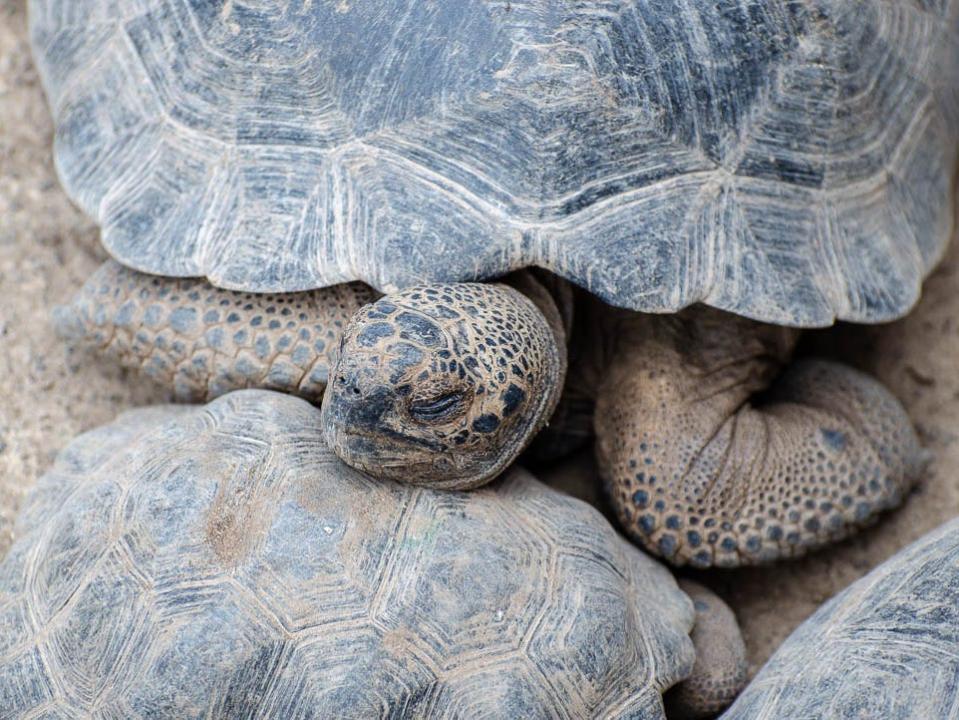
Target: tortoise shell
(788, 161)
(883, 648)
(219, 561)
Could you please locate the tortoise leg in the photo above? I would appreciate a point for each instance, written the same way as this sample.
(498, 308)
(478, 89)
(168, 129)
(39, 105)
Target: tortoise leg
(700, 475)
(719, 672)
(201, 341)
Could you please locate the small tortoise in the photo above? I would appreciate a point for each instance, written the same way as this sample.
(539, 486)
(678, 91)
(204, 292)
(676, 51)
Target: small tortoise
(886, 647)
(220, 561)
(788, 162)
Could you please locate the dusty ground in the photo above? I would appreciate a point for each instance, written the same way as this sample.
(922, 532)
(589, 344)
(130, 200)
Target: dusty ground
(47, 248)
(47, 395)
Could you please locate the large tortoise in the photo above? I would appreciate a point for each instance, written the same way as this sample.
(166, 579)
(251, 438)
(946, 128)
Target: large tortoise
(883, 648)
(788, 162)
(220, 561)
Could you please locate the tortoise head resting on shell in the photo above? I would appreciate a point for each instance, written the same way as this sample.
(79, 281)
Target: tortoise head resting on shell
(445, 385)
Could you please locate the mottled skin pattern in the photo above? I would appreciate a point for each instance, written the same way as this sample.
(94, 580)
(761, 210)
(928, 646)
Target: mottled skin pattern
(202, 341)
(719, 672)
(445, 385)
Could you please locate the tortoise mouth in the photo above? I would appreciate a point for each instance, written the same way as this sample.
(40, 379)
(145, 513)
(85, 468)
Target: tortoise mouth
(377, 449)
(406, 460)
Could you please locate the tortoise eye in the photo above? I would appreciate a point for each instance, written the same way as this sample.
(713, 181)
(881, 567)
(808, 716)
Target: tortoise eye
(437, 408)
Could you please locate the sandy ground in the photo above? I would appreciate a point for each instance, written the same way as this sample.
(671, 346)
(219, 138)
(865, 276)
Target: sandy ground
(48, 395)
(47, 248)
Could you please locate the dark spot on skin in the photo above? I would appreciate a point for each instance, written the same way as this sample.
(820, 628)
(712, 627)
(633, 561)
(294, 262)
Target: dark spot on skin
(862, 511)
(774, 533)
(701, 606)
(835, 439)
(418, 329)
(672, 522)
(793, 538)
(702, 558)
(667, 545)
(405, 357)
(373, 333)
(442, 312)
(486, 423)
(694, 538)
(512, 399)
(640, 498)
(728, 544)
(647, 523)
(754, 543)
(812, 525)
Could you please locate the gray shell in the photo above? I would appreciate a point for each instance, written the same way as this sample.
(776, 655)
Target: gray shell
(887, 647)
(219, 561)
(789, 161)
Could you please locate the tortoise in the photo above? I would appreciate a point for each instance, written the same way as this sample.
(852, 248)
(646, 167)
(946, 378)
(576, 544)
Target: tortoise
(885, 647)
(220, 561)
(722, 173)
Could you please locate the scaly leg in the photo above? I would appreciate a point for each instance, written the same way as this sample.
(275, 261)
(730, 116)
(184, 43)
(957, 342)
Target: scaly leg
(700, 475)
(201, 341)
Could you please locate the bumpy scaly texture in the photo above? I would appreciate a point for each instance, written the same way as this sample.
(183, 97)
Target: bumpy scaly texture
(220, 562)
(445, 384)
(790, 161)
(203, 341)
(884, 648)
(699, 475)
(719, 672)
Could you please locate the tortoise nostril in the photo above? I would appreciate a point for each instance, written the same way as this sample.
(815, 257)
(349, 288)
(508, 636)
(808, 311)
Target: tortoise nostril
(348, 383)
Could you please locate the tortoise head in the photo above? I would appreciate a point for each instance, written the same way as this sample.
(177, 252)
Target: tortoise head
(442, 385)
